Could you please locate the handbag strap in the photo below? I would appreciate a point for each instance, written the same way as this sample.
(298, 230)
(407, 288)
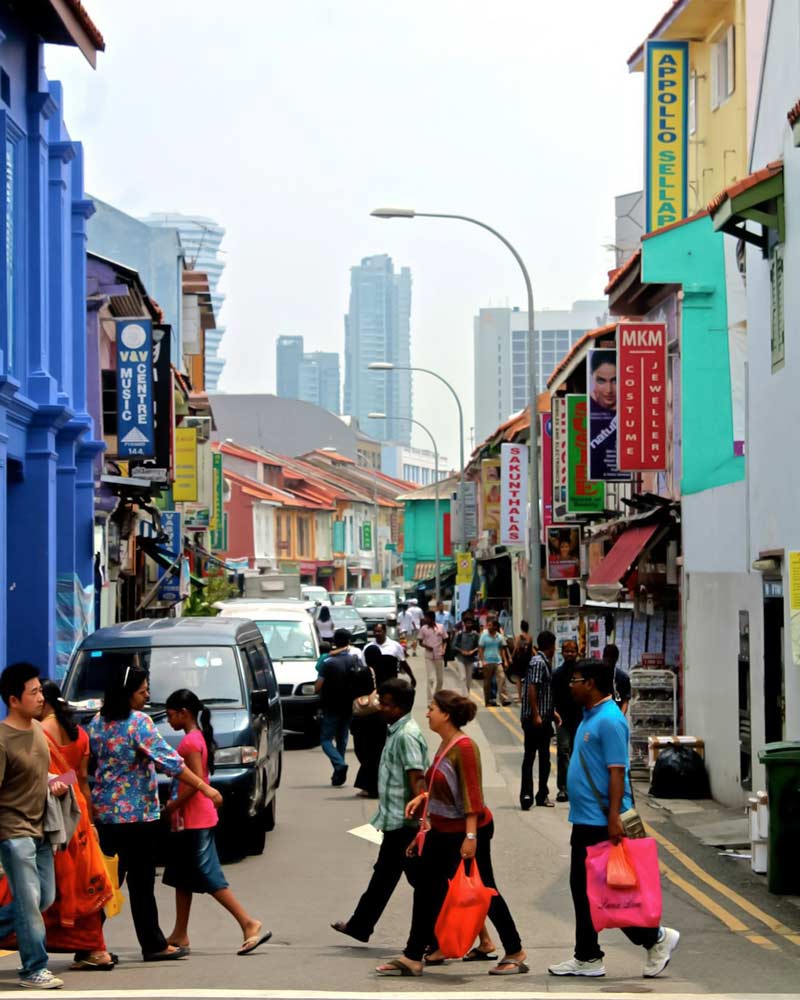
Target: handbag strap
(434, 769)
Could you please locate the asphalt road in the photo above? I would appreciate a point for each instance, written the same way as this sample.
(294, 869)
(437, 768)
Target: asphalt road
(734, 941)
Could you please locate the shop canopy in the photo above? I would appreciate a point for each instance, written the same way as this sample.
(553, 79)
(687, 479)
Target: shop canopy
(756, 199)
(624, 555)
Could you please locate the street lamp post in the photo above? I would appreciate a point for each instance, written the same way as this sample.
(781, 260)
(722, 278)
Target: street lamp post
(534, 589)
(388, 366)
(438, 526)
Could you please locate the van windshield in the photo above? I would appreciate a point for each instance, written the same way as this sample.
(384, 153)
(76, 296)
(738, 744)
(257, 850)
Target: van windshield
(374, 599)
(288, 640)
(210, 671)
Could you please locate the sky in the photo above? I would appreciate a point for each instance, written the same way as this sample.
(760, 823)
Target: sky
(287, 122)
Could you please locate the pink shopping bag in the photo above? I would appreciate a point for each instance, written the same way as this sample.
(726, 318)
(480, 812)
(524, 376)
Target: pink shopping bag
(639, 906)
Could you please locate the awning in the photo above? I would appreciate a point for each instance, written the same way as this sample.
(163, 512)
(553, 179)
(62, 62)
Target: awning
(756, 199)
(624, 555)
(424, 570)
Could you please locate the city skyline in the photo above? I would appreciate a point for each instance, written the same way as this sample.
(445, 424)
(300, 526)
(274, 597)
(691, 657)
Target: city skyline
(311, 376)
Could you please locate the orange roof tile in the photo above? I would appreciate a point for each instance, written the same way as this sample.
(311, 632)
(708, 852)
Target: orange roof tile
(675, 225)
(675, 9)
(620, 272)
(87, 23)
(739, 187)
(601, 331)
(794, 114)
(332, 455)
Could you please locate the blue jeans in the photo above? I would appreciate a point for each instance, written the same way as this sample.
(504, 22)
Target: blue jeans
(333, 733)
(28, 864)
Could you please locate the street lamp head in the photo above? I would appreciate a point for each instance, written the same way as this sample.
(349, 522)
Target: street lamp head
(376, 416)
(380, 366)
(393, 213)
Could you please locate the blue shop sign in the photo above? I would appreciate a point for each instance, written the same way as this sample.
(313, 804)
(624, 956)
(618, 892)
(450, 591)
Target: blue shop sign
(135, 431)
(170, 589)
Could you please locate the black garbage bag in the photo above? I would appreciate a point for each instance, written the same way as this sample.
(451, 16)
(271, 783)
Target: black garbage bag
(680, 774)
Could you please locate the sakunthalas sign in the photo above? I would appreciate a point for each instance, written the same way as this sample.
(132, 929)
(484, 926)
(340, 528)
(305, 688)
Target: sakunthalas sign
(642, 368)
(135, 435)
(666, 133)
(513, 494)
(583, 495)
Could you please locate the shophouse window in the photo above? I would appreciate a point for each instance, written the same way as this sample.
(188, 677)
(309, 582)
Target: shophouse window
(303, 537)
(723, 69)
(284, 535)
(776, 304)
(692, 103)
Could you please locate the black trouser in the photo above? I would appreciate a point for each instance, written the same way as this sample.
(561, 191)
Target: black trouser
(392, 862)
(369, 737)
(135, 844)
(587, 946)
(438, 864)
(537, 740)
(565, 738)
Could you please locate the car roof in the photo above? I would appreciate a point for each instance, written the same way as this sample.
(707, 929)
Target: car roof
(266, 609)
(173, 632)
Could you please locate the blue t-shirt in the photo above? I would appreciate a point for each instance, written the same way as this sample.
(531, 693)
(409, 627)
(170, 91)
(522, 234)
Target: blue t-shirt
(602, 739)
(491, 646)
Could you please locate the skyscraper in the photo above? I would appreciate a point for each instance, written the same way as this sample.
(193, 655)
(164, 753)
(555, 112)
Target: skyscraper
(378, 328)
(201, 238)
(501, 355)
(311, 377)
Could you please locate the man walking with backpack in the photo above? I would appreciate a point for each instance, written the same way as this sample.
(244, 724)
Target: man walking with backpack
(336, 689)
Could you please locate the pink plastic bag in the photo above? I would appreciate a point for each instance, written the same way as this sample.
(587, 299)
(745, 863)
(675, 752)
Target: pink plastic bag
(636, 907)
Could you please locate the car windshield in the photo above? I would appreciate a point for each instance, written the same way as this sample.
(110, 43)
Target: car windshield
(288, 640)
(210, 671)
(375, 599)
(315, 593)
(345, 614)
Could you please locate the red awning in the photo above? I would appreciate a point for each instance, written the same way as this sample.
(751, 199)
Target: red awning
(623, 555)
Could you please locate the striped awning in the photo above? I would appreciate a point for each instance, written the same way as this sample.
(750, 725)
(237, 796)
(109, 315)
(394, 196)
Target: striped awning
(424, 570)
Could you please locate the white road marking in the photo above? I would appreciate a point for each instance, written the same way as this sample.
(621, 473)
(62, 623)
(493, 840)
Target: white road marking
(368, 832)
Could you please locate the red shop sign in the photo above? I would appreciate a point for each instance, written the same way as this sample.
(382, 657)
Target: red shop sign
(642, 389)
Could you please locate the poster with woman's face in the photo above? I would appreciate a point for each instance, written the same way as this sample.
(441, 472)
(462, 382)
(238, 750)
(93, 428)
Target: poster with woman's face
(563, 552)
(601, 379)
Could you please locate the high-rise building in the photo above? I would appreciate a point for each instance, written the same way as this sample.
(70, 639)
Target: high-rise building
(378, 328)
(501, 355)
(312, 377)
(201, 238)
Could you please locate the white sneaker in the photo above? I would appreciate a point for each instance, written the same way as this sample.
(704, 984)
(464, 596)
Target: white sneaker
(42, 980)
(659, 955)
(574, 967)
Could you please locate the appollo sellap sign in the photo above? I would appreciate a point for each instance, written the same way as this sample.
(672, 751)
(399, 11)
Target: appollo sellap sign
(666, 133)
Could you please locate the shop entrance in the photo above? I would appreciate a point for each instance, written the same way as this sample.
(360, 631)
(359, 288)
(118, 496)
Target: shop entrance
(774, 695)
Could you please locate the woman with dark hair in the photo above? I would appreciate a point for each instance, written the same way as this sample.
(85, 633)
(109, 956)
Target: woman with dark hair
(369, 731)
(461, 827)
(325, 625)
(193, 864)
(128, 748)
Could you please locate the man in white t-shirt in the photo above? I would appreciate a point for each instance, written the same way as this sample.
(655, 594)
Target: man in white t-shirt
(389, 647)
(407, 628)
(433, 639)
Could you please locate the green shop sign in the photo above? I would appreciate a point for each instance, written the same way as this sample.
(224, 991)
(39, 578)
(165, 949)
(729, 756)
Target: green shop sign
(583, 495)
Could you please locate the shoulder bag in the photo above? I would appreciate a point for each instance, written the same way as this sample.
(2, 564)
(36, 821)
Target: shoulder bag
(367, 704)
(631, 821)
(424, 824)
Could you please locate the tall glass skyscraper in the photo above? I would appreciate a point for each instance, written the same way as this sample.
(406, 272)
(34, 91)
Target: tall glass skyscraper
(378, 328)
(201, 238)
(312, 377)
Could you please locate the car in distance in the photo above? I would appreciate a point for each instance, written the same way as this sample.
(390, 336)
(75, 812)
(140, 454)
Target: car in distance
(226, 663)
(376, 606)
(291, 638)
(317, 594)
(340, 596)
(343, 616)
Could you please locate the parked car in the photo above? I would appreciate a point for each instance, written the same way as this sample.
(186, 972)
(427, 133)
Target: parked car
(340, 597)
(343, 616)
(226, 663)
(317, 594)
(291, 638)
(376, 606)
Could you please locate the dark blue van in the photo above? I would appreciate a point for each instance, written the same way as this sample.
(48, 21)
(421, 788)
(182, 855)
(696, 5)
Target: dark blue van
(225, 662)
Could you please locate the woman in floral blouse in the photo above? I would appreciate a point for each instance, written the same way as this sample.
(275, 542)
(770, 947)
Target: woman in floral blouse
(128, 748)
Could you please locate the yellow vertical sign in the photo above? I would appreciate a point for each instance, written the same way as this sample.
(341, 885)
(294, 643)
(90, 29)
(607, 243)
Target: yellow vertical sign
(185, 485)
(666, 133)
(794, 604)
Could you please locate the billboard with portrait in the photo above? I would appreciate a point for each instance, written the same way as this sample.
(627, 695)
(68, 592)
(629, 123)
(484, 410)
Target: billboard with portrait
(491, 493)
(563, 552)
(601, 378)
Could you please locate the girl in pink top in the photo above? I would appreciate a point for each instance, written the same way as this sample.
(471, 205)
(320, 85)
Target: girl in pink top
(193, 864)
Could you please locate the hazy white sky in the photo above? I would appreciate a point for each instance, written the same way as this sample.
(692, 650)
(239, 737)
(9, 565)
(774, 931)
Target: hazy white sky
(289, 121)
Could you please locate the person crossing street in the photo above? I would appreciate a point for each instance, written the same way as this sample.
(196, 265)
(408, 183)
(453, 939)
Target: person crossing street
(537, 714)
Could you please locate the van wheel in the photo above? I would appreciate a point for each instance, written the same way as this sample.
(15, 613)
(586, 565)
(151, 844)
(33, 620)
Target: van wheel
(271, 814)
(255, 837)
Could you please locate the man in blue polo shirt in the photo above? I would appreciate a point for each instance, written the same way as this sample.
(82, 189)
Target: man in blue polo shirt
(599, 789)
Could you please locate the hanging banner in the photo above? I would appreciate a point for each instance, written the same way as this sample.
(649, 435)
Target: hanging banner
(159, 468)
(490, 488)
(513, 494)
(469, 509)
(185, 485)
(794, 604)
(558, 405)
(601, 377)
(465, 568)
(546, 438)
(170, 589)
(215, 523)
(135, 434)
(583, 495)
(642, 366)
(666, 88)
(563, 552)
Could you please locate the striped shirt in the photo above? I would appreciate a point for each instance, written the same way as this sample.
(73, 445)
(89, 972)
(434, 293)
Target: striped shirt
(405, 750)
(540, 673)
(457, 789)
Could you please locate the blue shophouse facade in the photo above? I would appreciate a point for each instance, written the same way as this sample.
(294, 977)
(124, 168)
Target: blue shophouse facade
(47, 439)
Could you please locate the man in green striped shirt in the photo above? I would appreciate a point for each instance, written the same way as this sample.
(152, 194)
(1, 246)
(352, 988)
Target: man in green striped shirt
(401, 776)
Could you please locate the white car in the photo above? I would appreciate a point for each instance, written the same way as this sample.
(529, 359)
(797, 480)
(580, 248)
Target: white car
(291, 639)
(319, 595)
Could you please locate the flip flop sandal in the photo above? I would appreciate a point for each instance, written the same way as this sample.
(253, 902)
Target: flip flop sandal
(84, 965)
(476, 955)
(517, 968)
(165, 956)
(434, 961)
(253, 942)
(394, 967)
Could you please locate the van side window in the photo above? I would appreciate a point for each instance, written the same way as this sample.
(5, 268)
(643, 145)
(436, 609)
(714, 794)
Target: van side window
(259, 661)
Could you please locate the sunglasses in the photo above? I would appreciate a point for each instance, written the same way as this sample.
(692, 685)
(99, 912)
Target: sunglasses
(578, 680)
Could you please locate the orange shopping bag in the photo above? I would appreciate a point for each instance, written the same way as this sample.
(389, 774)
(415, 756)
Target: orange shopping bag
(620, 873)
(463, 912)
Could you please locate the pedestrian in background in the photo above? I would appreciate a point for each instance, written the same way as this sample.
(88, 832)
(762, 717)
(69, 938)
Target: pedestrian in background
(568, 714)
(336, 689)
(445, 619)
(407, 628)
(26, 854)
(392, 648)
(433, 639)
(128, 748)
(622, 679)
(324, 623)
(193, 864)
(491, 647)
(599, 788)
(369, 731)
(400, 778)
(465, 647)
(536, 715)
(521, 655)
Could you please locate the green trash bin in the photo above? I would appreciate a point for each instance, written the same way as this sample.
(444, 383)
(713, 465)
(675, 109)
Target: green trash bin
(782, 761)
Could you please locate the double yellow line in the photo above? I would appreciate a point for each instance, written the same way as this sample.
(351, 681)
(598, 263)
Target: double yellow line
(725, 916)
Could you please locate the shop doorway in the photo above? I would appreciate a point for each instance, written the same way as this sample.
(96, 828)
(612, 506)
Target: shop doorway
(774, 695)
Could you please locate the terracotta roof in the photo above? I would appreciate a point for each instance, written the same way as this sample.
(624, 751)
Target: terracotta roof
(87, 23)
(620, 272)
(601, 331)
(334, 456)
(745, 184)
(253, 488)
(404, 484)
(794, 114)
(675, 9)
(676, 225)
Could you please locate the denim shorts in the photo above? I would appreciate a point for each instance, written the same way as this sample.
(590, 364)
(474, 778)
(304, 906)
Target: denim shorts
(193, 864)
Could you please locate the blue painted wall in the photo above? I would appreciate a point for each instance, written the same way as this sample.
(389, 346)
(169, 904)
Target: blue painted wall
(419, 533)
(692, 256)
(47, 441)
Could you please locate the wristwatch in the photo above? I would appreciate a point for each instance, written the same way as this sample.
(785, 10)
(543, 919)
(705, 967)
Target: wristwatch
(472, 836)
